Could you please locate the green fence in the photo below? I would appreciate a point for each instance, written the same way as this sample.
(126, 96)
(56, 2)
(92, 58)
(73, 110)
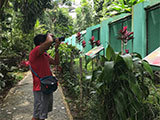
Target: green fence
(153, 28)
(144, 22)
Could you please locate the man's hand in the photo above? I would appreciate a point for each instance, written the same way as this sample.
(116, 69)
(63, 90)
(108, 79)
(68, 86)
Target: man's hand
(57, 43)
(49, 37)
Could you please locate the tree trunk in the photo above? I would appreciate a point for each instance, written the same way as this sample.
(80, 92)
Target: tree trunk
(1, 3)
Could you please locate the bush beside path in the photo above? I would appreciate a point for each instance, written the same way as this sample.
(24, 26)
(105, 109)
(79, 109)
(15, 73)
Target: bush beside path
(18, 104)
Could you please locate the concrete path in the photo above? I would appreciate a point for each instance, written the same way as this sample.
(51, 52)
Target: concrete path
(18, 105)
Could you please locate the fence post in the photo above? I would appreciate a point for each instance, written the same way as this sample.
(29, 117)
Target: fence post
(80, 80)
(71, 65)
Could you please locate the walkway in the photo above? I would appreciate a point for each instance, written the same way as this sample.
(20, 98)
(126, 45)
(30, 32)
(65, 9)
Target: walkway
(18, 104)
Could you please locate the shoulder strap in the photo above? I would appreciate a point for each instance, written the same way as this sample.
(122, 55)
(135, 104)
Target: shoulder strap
(34, 71)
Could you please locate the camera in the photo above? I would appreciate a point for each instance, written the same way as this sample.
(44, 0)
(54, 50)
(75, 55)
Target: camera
(54, 38)
(60, 39)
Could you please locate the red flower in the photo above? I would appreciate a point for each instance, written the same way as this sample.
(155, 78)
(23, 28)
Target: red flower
(125, 35)
(78, 34)
(24, 63)
(92, 42)
(78, 37)
(92, 39)
(127, 51)
(98, 43)
(84, 43)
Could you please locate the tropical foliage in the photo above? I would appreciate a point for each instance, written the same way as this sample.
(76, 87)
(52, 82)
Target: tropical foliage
(106, 8)
(58, 22)
(68, 73)
(85, 16)
(123, 87)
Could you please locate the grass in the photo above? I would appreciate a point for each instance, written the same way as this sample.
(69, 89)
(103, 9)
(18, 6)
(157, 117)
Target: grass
(19, 75)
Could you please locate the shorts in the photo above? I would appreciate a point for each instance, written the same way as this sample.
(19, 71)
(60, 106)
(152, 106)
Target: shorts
(43, 103)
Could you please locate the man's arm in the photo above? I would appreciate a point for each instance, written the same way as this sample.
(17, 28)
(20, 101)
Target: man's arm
(45, 45)
(55, 61)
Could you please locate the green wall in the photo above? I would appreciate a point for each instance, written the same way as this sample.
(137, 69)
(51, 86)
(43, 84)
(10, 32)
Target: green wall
(104, 31)
(104, 35)
(137, 24)
(139, 27)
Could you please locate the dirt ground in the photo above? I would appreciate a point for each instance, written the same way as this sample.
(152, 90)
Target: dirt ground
(18, 104)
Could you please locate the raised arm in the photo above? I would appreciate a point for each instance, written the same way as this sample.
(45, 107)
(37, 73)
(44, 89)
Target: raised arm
(45, 45)
(55, 61)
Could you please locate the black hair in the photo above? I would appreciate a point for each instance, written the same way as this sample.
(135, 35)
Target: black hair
(40, 38)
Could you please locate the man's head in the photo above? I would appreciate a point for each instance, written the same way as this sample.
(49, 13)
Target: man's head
(40, 38)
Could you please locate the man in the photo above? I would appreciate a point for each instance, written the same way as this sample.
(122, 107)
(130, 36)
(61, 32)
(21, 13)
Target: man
(40, 62)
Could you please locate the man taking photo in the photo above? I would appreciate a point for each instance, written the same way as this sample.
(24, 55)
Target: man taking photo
(40, 62)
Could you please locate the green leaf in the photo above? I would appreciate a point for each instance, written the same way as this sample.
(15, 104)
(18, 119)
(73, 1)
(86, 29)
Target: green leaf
(3, 84)
(108, 71)
(37, 23)
(128, 60)
(49, 51)
(98, 85)
(135, 54)
(110, 54)
(117, 8)
(103, 59)
(120, 104)
(148, 68)
(88, 60)
(134, 86)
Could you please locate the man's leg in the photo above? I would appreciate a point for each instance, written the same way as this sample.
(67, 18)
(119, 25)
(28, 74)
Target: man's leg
(46, 105)
(37, 104)
(50, 107)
